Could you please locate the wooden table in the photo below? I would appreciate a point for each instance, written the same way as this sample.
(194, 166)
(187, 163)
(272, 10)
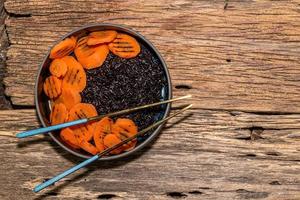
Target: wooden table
(239, 59)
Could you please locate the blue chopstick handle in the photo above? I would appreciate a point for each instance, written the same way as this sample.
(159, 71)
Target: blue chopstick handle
(50, 128)
(65, 173)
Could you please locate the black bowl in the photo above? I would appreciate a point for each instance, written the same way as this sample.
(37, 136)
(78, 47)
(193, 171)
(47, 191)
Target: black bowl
(43, 104)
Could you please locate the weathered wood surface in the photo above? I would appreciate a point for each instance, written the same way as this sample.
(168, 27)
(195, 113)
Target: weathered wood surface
(232, 58)
(208, 155)
(239, 60)
(4, 103)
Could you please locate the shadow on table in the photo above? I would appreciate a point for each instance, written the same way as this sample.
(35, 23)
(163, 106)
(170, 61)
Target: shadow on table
(99, 165)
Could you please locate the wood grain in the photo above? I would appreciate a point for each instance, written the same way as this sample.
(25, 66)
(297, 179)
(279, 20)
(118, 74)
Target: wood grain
(208, 155)
(4, 103)
(239, 60)
(245, 57)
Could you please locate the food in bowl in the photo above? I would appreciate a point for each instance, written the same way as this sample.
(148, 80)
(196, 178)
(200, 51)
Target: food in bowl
(102, 72)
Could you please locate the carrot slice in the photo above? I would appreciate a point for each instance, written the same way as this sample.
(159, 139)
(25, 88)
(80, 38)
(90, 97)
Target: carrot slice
(100, 37)
(127, 128)
(52, 87)
(58, 68)
(63, 48)
(80, 111)
(85, 145)
(102, 128)
(111, 140)
(115, 129)
(67, 135)
(75, 78)
(82, 49)
(59, 114)
(90, 56)
(69, 98)
(128, 125)
(124, 46)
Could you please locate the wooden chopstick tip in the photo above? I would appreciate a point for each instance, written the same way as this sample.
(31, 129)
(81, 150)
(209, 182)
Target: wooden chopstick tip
(187, 107)
(185, 97)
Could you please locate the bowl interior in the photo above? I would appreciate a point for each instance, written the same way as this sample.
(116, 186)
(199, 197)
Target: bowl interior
(43, 104)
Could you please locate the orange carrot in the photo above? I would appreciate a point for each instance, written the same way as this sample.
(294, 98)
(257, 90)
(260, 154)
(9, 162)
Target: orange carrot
(80, 111)
(100, 37)
(90, 56)
(88, 147)
(75, 78)
(52, 87)
(111, 140)
(125, 128)
(124, 46)
(69, 98)
(58, 68)
(128, 125)
(63, 48)
(102, 128)
(59, 114)
(67, 135)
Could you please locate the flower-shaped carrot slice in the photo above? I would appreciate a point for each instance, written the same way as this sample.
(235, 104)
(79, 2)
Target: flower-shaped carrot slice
(69, 98)
(67, 135)
(58, 68)
(90, 56)
(85, 145)
(102, 128)
(111, 140)
(59, 114)
(124, 46)
(80, 111)
(75, 78)
(52, 87)
(126, 129)
(100, 37)
(63, 48)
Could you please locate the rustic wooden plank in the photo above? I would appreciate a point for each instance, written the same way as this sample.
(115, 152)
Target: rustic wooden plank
(242, 58)
(208, 155)
(4, 103)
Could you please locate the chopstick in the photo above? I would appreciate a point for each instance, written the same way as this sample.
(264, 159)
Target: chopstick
(97, 156)
(85, 120)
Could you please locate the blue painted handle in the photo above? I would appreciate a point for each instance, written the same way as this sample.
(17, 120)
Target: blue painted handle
(65, 173)
(50, 128)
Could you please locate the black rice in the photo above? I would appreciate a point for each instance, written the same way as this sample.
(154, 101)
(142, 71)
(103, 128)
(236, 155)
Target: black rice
(126, 83)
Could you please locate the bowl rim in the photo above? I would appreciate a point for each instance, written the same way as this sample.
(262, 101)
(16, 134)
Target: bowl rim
(141, 37)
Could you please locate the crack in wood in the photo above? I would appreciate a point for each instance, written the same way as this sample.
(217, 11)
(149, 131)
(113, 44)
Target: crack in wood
(196, 192)
(106, 196)
(176, 195)
(273, 153)
(246, 194)
(183, 87)
(250, 155)
(21, 107)
(275, 183)
(52, 193)
(16, 15)
(255, 132)
(226, 4)
(205, 188)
